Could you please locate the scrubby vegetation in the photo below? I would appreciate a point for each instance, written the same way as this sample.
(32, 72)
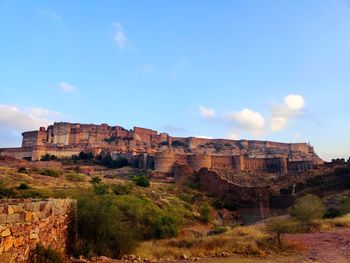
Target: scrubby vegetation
(141, 180)
(50, 172)
(46, 255)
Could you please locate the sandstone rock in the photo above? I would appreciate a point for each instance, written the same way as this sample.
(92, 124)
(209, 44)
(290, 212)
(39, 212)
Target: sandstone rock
(13, 218)
(28, 216)
(8, 242)
(6, 232)
(18, 241)
(10, 210)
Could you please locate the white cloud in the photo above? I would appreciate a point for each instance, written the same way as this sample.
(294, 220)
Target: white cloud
(249, 120)
(66, 87)
(281, 114)
(206, 112)
(203, 137)
(50, 14)
(234, 136)
(13, 118)
(119, 35)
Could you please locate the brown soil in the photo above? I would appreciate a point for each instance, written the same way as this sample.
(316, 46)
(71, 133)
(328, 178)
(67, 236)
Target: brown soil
(326, 247)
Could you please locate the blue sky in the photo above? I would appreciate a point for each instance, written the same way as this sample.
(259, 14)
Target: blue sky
(274, 70)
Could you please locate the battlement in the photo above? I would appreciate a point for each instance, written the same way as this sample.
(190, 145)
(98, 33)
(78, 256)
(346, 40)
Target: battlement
(64, 139)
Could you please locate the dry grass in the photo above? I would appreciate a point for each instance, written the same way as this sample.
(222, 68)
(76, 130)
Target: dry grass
(239, 240)
(328, 224)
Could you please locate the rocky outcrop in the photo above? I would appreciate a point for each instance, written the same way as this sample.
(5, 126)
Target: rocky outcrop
(26, 222)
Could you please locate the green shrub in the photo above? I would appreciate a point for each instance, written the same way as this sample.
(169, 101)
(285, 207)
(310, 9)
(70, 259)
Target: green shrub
(103, 229)
(95, 180)
(50, 172)
(46, 255)
(22, 170)
(108, 161)
(165, 227)
(217, 230)
(141, 180)
(345, 205)
(332, 213)
(308, 208)
(5, 191)
(122, 189)
(48, 157)
(101, 189)
(205, 213)
(23, 186)
(75, 177)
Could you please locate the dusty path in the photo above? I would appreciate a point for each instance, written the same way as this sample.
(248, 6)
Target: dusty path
(326, 247)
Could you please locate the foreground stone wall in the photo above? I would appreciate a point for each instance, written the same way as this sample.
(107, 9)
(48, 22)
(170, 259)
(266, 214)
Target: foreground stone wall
(24, 223)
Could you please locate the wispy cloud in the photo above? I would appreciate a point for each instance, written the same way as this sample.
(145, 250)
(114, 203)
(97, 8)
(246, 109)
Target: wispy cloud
(173, 129)
(119, 35)
(206, 112)
(15, 119)
(50, 14)
(178, 68)
(20, 118)
(146, 68)
(66, 87)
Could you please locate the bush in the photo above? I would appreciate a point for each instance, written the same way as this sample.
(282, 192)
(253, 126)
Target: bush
(308, 208)
(165, 227)
(48, 157)
(23, 186)
(75, 177)
(46, 255)
(122, 189)
(50, 172)
(217, 230)
(141, 180)
(107, 160)
(205, 213)
(85, 156)
(332, 213)
(103, 228)
(101, 189)
(281, 226)
(5, 192)
(22, 170)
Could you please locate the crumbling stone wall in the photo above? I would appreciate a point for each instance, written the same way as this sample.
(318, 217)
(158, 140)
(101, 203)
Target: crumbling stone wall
(212, 182)
(26, 222)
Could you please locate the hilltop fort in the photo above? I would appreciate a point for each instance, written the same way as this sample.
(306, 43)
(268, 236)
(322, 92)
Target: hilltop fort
(148, 149)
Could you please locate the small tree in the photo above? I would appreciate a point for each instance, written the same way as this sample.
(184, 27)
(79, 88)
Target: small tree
(281, 226)
(308, 208)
